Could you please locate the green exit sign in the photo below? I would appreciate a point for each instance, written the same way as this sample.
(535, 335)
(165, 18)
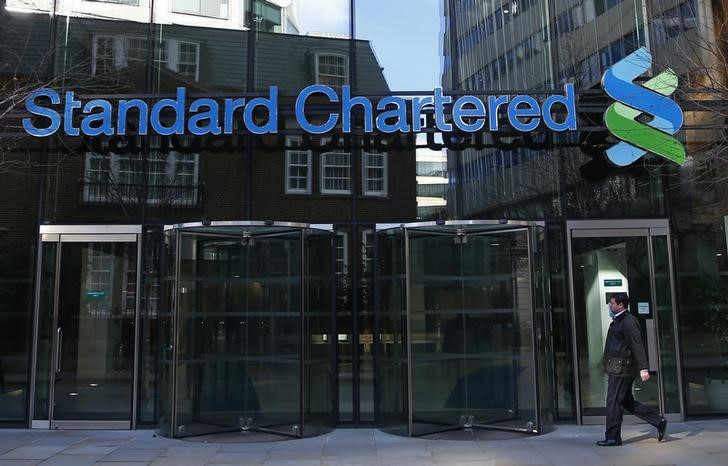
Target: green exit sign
(95, 294)
(615, 282)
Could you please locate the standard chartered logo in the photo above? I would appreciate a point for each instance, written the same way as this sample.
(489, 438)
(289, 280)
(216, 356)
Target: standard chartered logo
(633, 100)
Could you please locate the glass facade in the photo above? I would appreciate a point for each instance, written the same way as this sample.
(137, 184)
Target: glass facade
(366, 323)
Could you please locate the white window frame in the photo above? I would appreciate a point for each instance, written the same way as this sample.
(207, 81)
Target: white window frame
(323, 172)
(317, 58)
(287, 174)
(385, 174)
(173, 47)
(120, 52)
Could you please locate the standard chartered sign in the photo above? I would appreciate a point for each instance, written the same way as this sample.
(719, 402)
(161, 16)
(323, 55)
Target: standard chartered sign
(205, 116)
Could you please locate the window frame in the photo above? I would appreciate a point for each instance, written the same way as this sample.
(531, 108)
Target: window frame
(112, 169)
(121, 56)
(316, 65)
(322, 178)
(385, 174)
(174, 9)
(287, 173)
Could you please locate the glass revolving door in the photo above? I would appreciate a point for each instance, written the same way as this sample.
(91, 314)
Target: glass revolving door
(462, 328)
(250, 329)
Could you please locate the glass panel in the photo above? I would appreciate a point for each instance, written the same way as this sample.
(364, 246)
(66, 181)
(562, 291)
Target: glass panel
(544, 329)
(45, 331)
(303, 43)
(665, 311)
(166, 336)
(95, 334)
(391, 375)
(274, 306)
(437, 330)
(603, 266)
(239, 341)
(24, 52)
(561, 332)
(98, 48)
(471, 317)
(319, 336)
(498, 328)
(152, 306)
(701, 262)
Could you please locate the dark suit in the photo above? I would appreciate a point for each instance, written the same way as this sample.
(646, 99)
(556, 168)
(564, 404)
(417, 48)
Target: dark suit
(624, 358)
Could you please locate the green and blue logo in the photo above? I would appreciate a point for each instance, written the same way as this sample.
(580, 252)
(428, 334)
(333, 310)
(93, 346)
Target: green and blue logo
(632, 101)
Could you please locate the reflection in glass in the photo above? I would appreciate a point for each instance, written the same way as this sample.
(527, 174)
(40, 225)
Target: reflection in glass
(253, 340)
(469, 318)
(94, 338)
(603, 266)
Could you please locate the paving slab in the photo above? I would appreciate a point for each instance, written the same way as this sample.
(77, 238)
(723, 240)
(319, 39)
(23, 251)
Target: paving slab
(703, 443)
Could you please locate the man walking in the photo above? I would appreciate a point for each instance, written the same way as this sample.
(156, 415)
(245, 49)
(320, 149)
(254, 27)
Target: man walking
(624, 358)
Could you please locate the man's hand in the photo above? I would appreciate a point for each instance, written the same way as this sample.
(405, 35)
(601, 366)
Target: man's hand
(645, 375)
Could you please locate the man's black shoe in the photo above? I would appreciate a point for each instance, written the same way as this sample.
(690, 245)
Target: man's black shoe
(661, 430)
(609, 443)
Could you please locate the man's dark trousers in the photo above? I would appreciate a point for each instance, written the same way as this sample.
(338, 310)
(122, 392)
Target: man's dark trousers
(619, 397)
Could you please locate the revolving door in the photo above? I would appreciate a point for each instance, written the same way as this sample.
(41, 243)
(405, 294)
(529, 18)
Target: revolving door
(463, 328)
(248, 329)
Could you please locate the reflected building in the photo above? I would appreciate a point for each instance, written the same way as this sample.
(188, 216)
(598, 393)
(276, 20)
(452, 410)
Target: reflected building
(290, 283)
(505, 46)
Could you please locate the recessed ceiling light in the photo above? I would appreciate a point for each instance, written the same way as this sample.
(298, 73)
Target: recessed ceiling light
(93, 385)
(73, 394)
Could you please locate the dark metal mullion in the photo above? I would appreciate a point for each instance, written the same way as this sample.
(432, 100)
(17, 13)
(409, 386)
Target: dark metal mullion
(38, 253)
(334, 359)
(375, 331)
(250, 85)
(355, 155)
(303, 270)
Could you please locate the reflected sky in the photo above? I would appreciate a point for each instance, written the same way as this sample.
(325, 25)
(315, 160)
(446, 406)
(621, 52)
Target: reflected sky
(405, 35)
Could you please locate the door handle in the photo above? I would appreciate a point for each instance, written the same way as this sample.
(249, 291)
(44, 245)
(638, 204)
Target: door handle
(652, 353)
(59, 347)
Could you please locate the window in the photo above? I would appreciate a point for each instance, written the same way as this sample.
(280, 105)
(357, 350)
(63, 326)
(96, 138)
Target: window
(298, 167)
(110, 53)
(267, 17)
(336, 172)
(332, 70)
(374, 173)
(187, 56)
(119, 179)
(675, 21)
(104, 55)
(215, 8)
(342, 256)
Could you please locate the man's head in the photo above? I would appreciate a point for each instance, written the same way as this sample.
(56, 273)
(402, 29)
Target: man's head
(618, 302)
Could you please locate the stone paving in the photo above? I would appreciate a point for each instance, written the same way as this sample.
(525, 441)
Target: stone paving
(691, 443)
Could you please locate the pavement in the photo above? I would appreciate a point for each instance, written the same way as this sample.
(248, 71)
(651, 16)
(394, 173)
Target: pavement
(689, 443)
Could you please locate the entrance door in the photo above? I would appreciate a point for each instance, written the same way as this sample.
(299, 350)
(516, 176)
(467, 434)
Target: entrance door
(239, 324)
(94, 310)
(471, 330)
(634, 260)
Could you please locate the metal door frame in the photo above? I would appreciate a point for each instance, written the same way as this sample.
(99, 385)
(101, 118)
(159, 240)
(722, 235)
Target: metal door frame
(635, 228)
(60, 234)
(492, 227)
(293, 228)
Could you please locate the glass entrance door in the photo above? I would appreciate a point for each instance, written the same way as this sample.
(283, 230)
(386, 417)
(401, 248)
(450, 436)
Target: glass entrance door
(471, 325)
(92, 331)
(634, 261)
(239, 333)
